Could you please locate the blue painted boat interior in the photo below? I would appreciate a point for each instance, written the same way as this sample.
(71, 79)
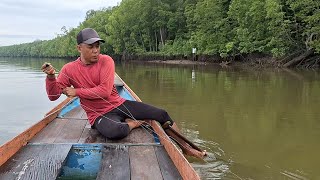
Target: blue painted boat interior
(71, 105)
(83, 161)
(124, 93)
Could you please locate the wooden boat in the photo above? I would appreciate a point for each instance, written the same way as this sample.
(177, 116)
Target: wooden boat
(63, 146)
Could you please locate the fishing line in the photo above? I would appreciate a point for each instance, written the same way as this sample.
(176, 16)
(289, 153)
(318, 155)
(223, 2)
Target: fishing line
(96, 95)
(143, 126)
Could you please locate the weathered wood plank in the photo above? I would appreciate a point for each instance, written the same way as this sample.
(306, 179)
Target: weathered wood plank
(47, 163)
(71, 132)
(144, 163)
(13, 168)
(138, 135)
(36, 162)
(168, 170)
(115, 163)
(75, 113)
(91, 135)
(50, 133)
(84, 116)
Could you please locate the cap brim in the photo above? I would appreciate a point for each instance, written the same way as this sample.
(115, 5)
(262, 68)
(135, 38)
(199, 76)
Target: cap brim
(93, 40)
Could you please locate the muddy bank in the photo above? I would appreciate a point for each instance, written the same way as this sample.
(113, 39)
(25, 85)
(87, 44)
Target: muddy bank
(252, 62)
(183, 62)
(248, 62)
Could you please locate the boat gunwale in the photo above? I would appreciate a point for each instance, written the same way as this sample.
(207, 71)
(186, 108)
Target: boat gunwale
(11, 147)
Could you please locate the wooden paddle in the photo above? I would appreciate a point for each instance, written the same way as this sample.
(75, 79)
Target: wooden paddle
(167, 127)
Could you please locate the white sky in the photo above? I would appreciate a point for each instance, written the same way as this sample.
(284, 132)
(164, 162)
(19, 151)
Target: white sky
(23, 21)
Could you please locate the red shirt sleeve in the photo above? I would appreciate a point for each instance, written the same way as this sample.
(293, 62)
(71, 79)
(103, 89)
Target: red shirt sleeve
(54, 86)
(104, 89)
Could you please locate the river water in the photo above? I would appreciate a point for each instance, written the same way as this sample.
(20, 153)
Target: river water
(255, 124)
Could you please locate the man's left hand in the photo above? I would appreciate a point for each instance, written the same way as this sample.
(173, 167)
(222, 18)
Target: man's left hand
(69, 91)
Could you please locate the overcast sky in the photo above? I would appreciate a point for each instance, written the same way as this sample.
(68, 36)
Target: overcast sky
(24, 21)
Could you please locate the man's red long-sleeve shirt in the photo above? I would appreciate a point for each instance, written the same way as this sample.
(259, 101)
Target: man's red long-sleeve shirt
(94, 85)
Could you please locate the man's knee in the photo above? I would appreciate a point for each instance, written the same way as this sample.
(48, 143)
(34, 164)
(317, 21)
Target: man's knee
(119, 132)
(165, 117)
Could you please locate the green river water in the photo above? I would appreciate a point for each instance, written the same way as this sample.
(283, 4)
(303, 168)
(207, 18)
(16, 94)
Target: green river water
(255, 124)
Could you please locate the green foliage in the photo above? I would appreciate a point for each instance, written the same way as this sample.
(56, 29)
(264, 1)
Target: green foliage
(307, 22)
(251, 33)
(279, 41)
(174, 27)
(212, 29)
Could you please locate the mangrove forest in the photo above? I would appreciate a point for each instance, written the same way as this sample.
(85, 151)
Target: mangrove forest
(282, 33)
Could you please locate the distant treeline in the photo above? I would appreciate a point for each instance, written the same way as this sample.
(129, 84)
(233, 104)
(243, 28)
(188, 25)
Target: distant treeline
(288, 30)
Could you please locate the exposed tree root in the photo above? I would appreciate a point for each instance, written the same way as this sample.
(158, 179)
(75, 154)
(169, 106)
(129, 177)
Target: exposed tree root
(299, 59)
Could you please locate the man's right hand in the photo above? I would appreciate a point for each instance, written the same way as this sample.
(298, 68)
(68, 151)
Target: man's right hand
(48, 69)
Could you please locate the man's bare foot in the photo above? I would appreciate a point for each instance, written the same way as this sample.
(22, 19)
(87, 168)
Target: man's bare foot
(133, 123)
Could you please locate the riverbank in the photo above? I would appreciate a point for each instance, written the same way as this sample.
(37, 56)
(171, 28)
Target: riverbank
(183, 62)
(266, 62)
(251, 61)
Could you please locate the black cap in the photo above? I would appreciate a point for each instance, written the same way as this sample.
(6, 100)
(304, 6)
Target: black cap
(88, 36)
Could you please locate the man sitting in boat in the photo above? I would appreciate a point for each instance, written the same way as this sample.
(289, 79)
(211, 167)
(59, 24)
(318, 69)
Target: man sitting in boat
(91, 78)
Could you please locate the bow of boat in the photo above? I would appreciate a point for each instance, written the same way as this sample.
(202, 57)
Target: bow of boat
(63, 145)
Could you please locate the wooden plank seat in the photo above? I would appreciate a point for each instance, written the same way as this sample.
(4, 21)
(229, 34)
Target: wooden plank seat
(80, 131)
(70, 131)
(35, 162)
(136, 162)
(115, 163)
(90, 135)
(137, 156)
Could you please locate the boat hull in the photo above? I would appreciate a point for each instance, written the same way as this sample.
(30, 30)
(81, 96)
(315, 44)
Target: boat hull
(63, 145)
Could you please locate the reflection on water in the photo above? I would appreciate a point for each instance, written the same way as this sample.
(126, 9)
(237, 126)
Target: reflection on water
(254, 124)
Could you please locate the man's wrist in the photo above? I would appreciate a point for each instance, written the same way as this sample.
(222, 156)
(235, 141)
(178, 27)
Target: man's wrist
(51, 76)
